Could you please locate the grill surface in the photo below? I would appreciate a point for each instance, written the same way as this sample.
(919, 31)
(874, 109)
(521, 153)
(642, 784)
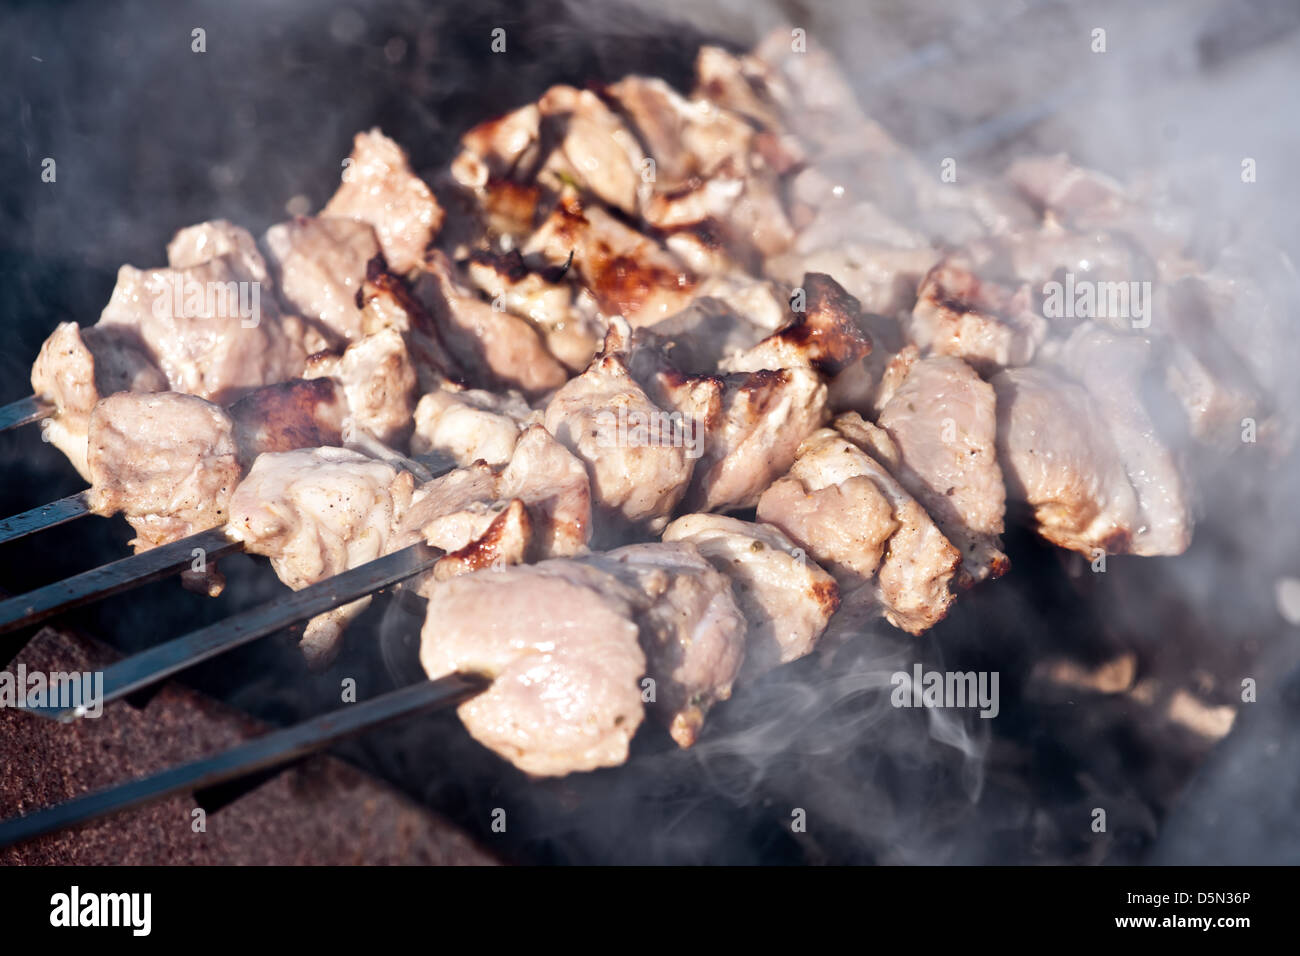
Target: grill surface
(150, 136)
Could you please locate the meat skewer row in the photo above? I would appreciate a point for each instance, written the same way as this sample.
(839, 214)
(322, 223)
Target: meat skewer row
(621, 302)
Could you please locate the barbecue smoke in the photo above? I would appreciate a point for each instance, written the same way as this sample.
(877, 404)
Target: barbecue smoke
(812, 762)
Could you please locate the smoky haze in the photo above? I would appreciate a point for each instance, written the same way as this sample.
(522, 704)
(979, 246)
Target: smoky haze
(149, 136)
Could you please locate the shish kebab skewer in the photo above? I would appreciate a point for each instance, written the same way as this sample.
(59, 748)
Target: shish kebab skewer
(830, 471)
(297, 413)
(24, 411)
(156, 333)
(45, 516)
(162, 661)
(270, 751)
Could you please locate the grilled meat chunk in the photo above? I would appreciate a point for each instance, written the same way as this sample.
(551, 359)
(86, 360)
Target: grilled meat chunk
(787, 600)
(495, 348)
(566, 318)
(456, 509)
(553, 484)
(379, 188)
(499, 148)
(764, 417)
(75, 368)
(989, 325)
(594, 148)
(468, 424)
(943, 420)
(559, 640)
(844, 507)
(1059, 458)
(388, 303)
(827, 336)
(207, 327)
(315, 513)
(195, 245)
(1112, 367)
(299, 413)
(629, 274)
(168, 461)
(692, 632)
(689, 139)
(639, 454)
(379, 382)
(319, 265)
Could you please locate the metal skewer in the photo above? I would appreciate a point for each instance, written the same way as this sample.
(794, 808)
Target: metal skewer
(46, 516)
(158, 663)
(113, 578)
(272, 750)
(23, 412)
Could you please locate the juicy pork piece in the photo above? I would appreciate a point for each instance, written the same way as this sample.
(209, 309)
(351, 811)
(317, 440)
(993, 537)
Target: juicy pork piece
(1112, 367)
(315, 513)
(500, 148)
(319, 265)
(1059, 458)
(639, 454)
(989, 325)
(568, 321)
(689, 139)
(629, 273)
(165, 459)
(741, 83)
(765, 416)
(75, 368)
(455, 510)
(466, 425)
(746, 426)
(559, 640)
(207, 327)
(942, 417)
(299, 413)
(827, 335)
(845, 509)
(595, 148)
(388, 303)
(168, 461)
(195, 245)
(787, 600)
(496, 349)
(379, 383)
(379, 188)
(692, 632)
(708, 168)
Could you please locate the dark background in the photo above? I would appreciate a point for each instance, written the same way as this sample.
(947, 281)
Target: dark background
(149, 136)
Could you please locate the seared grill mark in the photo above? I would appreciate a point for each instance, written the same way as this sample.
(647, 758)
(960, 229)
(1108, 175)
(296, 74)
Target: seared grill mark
(504, 542)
